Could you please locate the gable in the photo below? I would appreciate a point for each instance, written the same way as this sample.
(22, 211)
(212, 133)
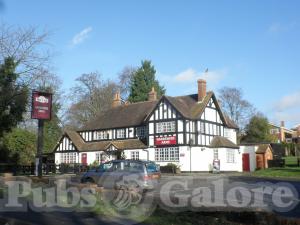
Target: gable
(164, 110)
(65, 144)
(212, 112)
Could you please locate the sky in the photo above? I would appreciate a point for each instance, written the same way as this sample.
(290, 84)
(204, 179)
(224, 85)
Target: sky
(252, 45)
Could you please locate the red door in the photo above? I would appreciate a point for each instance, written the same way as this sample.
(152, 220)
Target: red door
(84, 159)
(246, 162)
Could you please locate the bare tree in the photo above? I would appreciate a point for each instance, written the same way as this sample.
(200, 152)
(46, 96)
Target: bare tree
(125, 77)
(90, 97)
(27, 46)
(237, 108)
(48, 82)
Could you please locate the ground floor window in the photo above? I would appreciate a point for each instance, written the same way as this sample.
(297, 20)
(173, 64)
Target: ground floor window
(167, 154)
(98, 157)
(68, 157)
(135, 155)
(230, 155)
(216, 154)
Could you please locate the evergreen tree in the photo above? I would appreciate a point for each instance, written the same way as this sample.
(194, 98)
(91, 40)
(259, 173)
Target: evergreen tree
(142, 82)
(19, 146)
(52, 130)
(13, 96)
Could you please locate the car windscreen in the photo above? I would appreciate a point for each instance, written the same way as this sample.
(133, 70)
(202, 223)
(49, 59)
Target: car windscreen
(152, 167)
(134, 167)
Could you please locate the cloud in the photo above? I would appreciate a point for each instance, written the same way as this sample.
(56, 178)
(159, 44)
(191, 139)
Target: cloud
(291, 118)
(191, 75)
(288, 102)
(81, 36)
(287, 109)
(275, 28)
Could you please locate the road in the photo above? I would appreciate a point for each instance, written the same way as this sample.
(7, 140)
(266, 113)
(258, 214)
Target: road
(182, 192)
(221, 184)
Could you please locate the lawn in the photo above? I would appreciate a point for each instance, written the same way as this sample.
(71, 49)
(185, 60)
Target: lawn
(291, 160)
(285, 172)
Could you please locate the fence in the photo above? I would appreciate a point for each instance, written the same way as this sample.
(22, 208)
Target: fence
(47, 168)
(276, 163)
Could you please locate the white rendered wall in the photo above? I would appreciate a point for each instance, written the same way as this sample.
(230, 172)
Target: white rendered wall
(252, 157)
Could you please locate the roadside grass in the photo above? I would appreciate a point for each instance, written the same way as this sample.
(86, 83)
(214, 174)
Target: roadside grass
(284, 172)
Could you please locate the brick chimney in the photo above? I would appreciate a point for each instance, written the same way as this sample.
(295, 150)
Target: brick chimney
(201, 89)
(117, 100)
(152, 95)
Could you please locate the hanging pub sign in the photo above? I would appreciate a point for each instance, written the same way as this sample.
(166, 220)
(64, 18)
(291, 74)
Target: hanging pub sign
(41, 105)
(170, 140)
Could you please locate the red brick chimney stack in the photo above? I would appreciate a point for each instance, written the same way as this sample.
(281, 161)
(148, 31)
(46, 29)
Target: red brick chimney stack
(201, 89)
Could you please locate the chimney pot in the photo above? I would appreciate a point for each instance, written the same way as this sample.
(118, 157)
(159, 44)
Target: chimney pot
(201, 89)
(117, 100)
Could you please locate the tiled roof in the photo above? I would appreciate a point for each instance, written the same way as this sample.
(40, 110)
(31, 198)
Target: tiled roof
(126, 115)
(262, 148)
(222, 142)
(129, 115)
(103, 145)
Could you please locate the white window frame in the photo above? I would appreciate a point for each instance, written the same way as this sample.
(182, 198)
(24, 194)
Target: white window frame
(135, 155)
(216, 153)
(170, 154)
(69, 157)
(120, 133)
(166, 127)
(230, 155)
(102, 135)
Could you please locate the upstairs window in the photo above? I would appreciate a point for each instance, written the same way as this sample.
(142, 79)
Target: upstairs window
(120, 133)
(165, 127)
(102, 135)
(202, 127)
(141, 131)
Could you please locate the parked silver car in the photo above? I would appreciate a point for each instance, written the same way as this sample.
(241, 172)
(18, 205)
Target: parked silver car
(117, 174)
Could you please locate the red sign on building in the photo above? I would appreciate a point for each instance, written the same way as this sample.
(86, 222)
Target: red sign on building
(171, 140)
(41, 105)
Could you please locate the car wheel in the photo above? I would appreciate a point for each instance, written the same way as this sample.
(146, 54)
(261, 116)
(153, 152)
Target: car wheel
(89, 180)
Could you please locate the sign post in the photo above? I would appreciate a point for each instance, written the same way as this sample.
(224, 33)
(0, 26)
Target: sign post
(41, 110)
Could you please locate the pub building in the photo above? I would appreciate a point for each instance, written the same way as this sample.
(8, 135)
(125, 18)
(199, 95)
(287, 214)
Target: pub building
(190, 131)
